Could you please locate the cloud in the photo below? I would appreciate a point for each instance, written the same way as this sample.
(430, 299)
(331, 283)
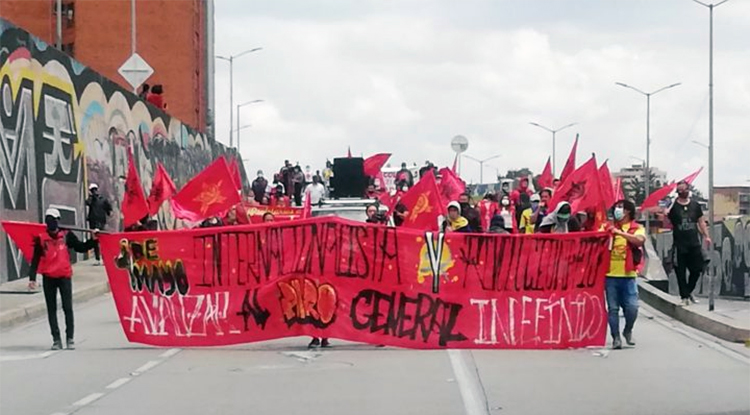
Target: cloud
(406, 79)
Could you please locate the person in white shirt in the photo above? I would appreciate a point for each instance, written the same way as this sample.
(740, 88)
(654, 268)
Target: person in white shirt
(315, 191)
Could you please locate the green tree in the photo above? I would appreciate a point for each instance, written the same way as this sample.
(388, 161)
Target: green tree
(635, 189)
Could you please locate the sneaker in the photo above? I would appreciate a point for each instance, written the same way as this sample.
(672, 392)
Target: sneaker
(325, 343)
(97, 263)
(692, 299)
(314, 343)
(629, 338)
(70, 344)
(616, 343)
(56, 345)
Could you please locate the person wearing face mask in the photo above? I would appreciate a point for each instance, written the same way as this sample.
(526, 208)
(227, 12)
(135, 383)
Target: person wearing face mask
(455, 222)
(51, 258)
(470, 213)
(99, 209)
(278, 198)
(687, 220)
(508, 213)
(527, 225)
(559, 221)
(621, 285)
(259, 186)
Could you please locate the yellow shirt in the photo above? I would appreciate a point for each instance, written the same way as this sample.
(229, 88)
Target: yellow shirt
(619, 249)
(526, 224)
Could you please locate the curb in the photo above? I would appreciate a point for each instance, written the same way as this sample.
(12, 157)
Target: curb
(38, 308)
(702, 320)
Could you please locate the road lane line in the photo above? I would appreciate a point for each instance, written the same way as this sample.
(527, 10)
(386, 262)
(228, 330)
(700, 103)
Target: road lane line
(469, 383)
(61, 413)
(148, 366)
(169, 353)
(119, 382)
(88, 399)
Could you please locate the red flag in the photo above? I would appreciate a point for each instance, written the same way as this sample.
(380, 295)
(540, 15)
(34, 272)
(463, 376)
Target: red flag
(22, 234)
(654, 198)
(546, 179)
(619, 195)
(424, 204)
(690, 178)
(451, 186)
(210, 193)
(455, 165)
(307, 208)
(607, 190)
(570, 165)
(349, 152)
(373, 164)
(134, 204)
(234, 168)
(581, 188)
(162, 188)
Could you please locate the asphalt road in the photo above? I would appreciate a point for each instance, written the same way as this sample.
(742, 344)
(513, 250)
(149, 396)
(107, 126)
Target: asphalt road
(673, 370)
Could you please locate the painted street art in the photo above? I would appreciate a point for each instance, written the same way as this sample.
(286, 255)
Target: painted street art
(730, 258)
(63, 126)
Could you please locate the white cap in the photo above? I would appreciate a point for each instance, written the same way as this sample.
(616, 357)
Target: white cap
(535, 197)
(456, 205)
(52, 212)
(93, 186)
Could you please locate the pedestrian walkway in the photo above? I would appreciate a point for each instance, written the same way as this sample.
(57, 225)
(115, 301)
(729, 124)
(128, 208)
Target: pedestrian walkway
(19, 305)
(730, 319)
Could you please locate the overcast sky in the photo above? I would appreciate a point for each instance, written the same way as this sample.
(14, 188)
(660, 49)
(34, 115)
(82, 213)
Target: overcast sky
(406, 76)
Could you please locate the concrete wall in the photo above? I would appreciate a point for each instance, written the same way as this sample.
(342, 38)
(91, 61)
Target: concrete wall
(63, 126)
(730, 258)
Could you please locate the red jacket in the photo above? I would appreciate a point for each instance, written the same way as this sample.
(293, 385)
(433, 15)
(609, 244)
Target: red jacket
(51, 257)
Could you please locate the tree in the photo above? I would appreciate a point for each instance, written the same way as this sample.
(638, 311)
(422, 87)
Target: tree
(635, 189)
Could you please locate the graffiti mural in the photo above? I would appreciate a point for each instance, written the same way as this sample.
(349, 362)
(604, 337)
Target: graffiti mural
(730, 258)
(63, 126)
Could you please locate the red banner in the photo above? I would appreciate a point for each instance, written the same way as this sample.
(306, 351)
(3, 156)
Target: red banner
(334, 278)
(255, 213)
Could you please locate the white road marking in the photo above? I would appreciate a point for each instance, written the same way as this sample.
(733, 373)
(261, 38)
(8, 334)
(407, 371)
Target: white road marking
(119, 382)
(12, 358)
(88, 399)
(148, 366)
(469, 384)
(61, 413)
(169, 353)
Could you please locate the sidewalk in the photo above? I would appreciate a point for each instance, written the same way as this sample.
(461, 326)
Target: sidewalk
(729, 321)
(18, 305)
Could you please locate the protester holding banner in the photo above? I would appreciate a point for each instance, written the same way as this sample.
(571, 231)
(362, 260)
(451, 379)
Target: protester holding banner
(506, 211)
(497, 225)
(560, 220)
(545, 195)
(269, 217)
(278, 198)
(527, 225)
(52, 259)
(455, 222)
(470, 213)
(621, 285)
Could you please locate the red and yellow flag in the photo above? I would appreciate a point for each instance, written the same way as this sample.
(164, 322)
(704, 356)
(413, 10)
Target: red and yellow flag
(211, 193)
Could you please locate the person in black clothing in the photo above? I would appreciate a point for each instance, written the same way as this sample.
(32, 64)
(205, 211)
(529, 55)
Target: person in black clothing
(259, 186)
(51, 258)
(687, 220)
(99, 210)
(404, 176)
(470, 213)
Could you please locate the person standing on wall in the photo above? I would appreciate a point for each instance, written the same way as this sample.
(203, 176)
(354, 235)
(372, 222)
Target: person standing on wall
(687, 220)
(99, 210)
(52, 259)
(621, 285)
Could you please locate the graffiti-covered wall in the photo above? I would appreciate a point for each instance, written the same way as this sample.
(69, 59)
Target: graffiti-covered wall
(63, 126)
(730, 258)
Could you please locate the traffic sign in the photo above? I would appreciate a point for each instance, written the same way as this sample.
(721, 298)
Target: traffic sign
(135, 70)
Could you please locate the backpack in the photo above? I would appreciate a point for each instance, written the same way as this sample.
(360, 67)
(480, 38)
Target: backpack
(636, 252)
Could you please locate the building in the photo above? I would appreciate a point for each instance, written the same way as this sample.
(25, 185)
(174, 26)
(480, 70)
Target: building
(636, 172)
(731, 200)
(171, 37)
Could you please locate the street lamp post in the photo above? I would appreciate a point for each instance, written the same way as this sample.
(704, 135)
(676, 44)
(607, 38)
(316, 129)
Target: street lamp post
(481, 165)
(647, 171)
(554, 132)
(238, 119)
(231, 59)
(711, 131)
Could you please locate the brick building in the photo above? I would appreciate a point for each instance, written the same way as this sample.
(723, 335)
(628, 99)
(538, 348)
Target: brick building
(171, 38)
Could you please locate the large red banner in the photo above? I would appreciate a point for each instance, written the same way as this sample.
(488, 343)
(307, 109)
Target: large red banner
(334, 278)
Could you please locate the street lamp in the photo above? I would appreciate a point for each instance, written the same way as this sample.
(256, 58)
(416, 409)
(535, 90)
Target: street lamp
(231, 59)
(554, 132)
(647, 170)
(700, 144)
(238, 119)
(481, 165)
(711, 130)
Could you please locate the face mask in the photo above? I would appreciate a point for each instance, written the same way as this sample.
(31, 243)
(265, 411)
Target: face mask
(619, 213)
(505, 202)
(534, 205)
(51, 223)
(562, 217)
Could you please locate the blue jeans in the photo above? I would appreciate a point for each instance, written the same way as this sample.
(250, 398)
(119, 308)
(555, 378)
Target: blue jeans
(621, 292)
